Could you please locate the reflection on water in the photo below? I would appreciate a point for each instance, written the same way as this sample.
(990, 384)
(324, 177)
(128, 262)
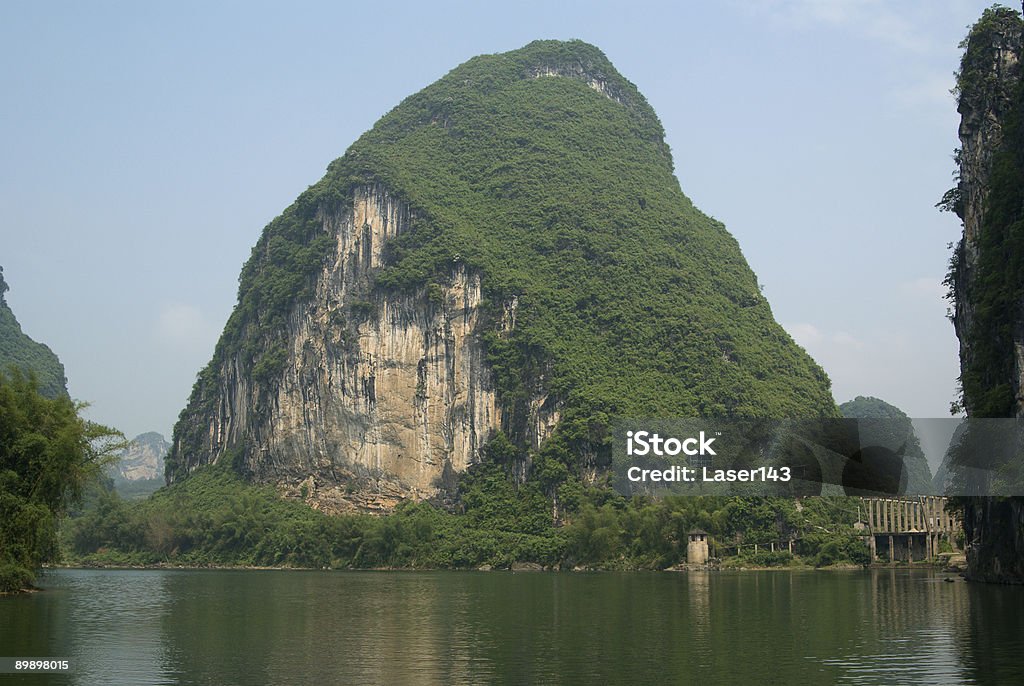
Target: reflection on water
(107, 623)
(267, 627)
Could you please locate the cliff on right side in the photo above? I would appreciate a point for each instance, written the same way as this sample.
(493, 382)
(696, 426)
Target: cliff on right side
(986, 275)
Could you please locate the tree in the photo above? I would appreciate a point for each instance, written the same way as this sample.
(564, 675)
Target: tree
(48, 454)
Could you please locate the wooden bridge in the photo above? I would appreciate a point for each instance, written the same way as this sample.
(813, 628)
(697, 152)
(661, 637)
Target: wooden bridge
(908, 528)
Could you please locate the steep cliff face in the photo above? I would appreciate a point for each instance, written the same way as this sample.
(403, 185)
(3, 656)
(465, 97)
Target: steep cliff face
(506, 251)
(989, 83)
(394, 384)
(986, 276)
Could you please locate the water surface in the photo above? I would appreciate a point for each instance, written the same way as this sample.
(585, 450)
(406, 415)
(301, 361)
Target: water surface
(249, 627)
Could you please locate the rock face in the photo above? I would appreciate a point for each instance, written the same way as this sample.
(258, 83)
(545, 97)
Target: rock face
(403, 394)
(143, 458)
(986, 287)
(397, 385)
(23, 353)
(506, 251)
(994, 535)
(989, 93)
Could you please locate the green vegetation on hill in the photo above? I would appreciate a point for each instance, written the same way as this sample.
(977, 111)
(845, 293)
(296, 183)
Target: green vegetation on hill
(545, 172)
(140, 488)
(21, 352)
(631, 301)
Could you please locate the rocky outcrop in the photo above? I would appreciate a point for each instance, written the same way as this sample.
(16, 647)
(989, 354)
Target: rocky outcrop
(576, 71)
(381, 396)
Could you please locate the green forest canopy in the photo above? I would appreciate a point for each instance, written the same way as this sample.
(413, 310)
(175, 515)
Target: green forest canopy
(48, 454)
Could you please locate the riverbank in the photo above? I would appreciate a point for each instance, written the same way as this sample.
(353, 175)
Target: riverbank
(738, 566)
(519, 567)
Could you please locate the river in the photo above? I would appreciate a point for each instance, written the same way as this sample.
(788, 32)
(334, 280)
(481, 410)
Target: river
(250, 627)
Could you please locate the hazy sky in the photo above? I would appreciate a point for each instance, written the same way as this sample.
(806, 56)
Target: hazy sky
(143, 147)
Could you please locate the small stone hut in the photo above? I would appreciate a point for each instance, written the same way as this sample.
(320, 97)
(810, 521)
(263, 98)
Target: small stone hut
(697, 547)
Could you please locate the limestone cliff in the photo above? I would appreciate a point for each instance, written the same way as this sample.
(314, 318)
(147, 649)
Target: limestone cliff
(143, 459)
(506, 251)
(394, 384)
(988, 85)
(985, 279)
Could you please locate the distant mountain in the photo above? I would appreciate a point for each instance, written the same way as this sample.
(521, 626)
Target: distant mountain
(919, 476)
(18, 350)
(140, 470)
(143, 458)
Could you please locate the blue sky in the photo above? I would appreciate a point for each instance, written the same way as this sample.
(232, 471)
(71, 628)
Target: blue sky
(143, 147)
